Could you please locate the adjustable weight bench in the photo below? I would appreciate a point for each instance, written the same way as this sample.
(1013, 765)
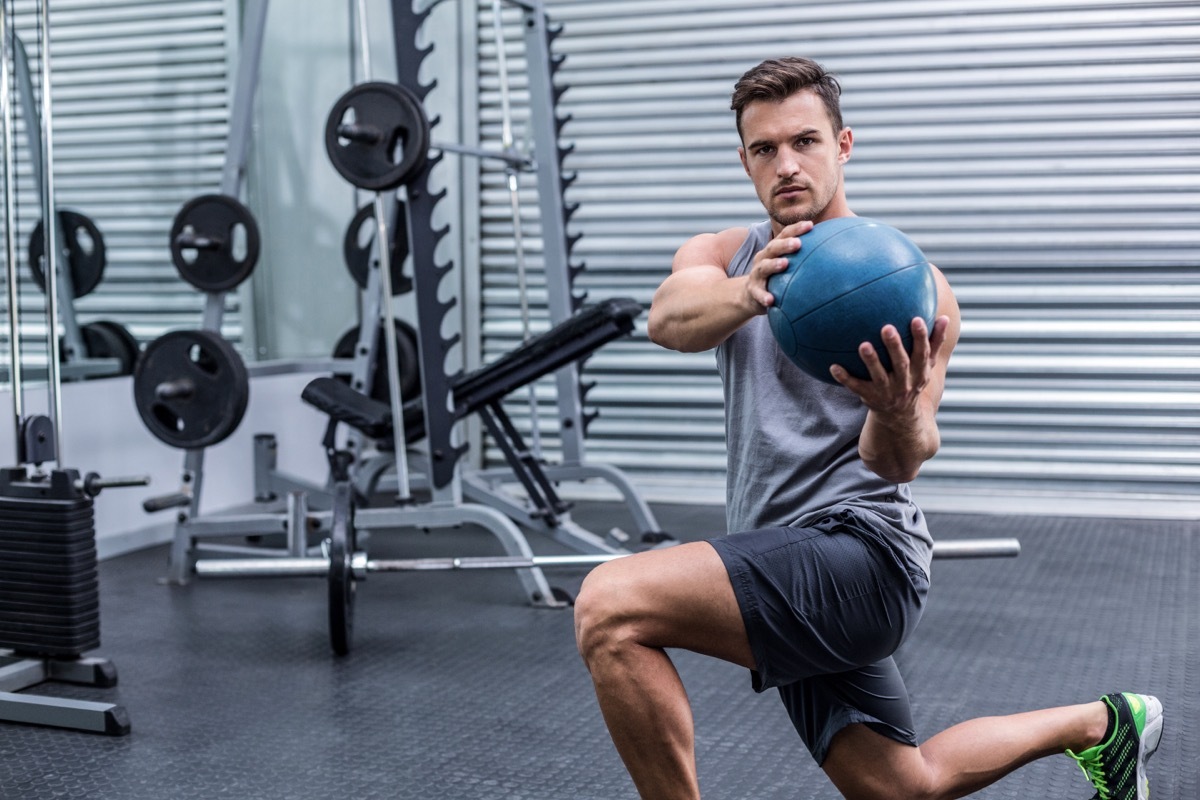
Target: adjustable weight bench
(482, 392)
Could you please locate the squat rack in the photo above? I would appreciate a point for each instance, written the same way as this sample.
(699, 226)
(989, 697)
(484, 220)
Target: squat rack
(458, 494)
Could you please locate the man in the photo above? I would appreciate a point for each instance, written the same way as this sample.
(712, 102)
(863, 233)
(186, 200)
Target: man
(830, 575)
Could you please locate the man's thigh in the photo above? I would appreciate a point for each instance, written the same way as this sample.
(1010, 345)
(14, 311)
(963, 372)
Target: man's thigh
(675, 597)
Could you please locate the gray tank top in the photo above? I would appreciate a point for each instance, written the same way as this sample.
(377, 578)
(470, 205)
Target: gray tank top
(792, 440)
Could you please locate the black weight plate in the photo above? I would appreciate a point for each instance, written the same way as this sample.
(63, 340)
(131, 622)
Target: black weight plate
(43, 606)
(205, 246)
(377, 136)
(41, 600)
(50, 643)
(80, 561)
(85, 251)
(342, 583)
(23, 578)
(32, 532)
(60, 518)
(64, 620)
(359, 245)
(49, 548)
(212, 382)
(113, 340)
(29, 497)
(407, 352)
(51, 630)
(77, 581)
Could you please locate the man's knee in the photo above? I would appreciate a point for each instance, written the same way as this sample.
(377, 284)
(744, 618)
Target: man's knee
(600, 609)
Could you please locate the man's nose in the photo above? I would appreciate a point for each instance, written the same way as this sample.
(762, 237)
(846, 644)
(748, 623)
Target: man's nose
(787, 164)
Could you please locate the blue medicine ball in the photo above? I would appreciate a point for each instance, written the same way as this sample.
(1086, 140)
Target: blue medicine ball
(851, 276)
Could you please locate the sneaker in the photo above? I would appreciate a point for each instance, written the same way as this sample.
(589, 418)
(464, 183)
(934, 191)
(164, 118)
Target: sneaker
(1117, 766)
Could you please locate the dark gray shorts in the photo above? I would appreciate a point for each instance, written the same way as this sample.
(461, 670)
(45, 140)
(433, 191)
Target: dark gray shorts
(825, 607)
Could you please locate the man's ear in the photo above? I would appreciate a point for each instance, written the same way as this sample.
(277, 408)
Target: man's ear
(845, 145)
(742, 156)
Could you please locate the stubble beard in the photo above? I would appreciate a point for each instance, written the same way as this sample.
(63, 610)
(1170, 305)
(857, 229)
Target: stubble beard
(788, 214)
(784, 215)
(791, 215)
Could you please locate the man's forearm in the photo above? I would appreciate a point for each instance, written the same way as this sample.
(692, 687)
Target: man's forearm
(690, 314)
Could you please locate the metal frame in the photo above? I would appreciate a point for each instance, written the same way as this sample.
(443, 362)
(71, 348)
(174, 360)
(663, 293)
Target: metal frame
(192, 527)
(18, 673)
(446, 481)
(76, 363)
(307, 507)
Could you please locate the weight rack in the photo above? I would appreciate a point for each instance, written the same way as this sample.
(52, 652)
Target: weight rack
(486, 503)
(484, 485)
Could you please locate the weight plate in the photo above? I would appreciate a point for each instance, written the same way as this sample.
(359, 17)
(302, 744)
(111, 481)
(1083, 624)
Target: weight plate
(358, 247)
(377, 136)
(408, 354)
(342, 583)
(107, 339)
(214, 242)
(191, 388)
(84, 251)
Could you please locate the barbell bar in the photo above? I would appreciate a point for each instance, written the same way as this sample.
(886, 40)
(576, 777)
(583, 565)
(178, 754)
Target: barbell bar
(290, 567)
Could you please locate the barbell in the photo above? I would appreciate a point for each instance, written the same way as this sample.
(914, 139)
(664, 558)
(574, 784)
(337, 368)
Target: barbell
(346, 565)
(361, 565)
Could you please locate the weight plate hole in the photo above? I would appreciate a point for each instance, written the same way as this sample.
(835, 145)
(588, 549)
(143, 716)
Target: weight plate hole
(202, 359)
(366, 234)
(348, 120)
(168, 418)
(189, 254)
(399, 141)
(84, 240)
(239, 242)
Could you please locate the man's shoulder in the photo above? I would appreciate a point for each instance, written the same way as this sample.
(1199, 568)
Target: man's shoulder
(754, 237)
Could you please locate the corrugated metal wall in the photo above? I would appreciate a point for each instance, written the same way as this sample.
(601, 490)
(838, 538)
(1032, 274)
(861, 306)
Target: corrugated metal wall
(140, 112)
(1045, 156)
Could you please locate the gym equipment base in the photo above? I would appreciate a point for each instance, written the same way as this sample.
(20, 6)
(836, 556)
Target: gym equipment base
(21, 672)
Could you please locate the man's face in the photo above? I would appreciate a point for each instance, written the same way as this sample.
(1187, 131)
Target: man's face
(794, 157)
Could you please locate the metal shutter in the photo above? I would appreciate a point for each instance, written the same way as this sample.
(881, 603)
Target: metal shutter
(140, 94)
(1045, 157)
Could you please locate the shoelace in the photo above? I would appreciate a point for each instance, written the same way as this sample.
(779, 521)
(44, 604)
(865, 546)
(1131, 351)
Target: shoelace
(1094, 771)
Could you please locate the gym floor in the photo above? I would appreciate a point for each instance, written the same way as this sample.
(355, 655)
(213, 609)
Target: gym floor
(457, 689)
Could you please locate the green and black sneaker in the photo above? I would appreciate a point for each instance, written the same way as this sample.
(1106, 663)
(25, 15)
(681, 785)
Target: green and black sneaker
(1117, 766)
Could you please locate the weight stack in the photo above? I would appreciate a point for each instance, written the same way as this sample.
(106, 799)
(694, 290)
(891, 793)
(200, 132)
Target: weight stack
(49, 587)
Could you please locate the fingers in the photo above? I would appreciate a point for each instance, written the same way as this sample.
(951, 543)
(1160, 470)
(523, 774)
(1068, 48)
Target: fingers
(772, 260)
(876, 371)
(797, 228)
(907, 370)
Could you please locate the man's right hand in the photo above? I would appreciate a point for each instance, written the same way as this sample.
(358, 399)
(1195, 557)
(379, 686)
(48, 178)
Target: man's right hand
(772, 260)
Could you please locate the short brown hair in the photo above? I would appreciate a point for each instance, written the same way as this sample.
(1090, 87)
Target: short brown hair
(776, 79)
